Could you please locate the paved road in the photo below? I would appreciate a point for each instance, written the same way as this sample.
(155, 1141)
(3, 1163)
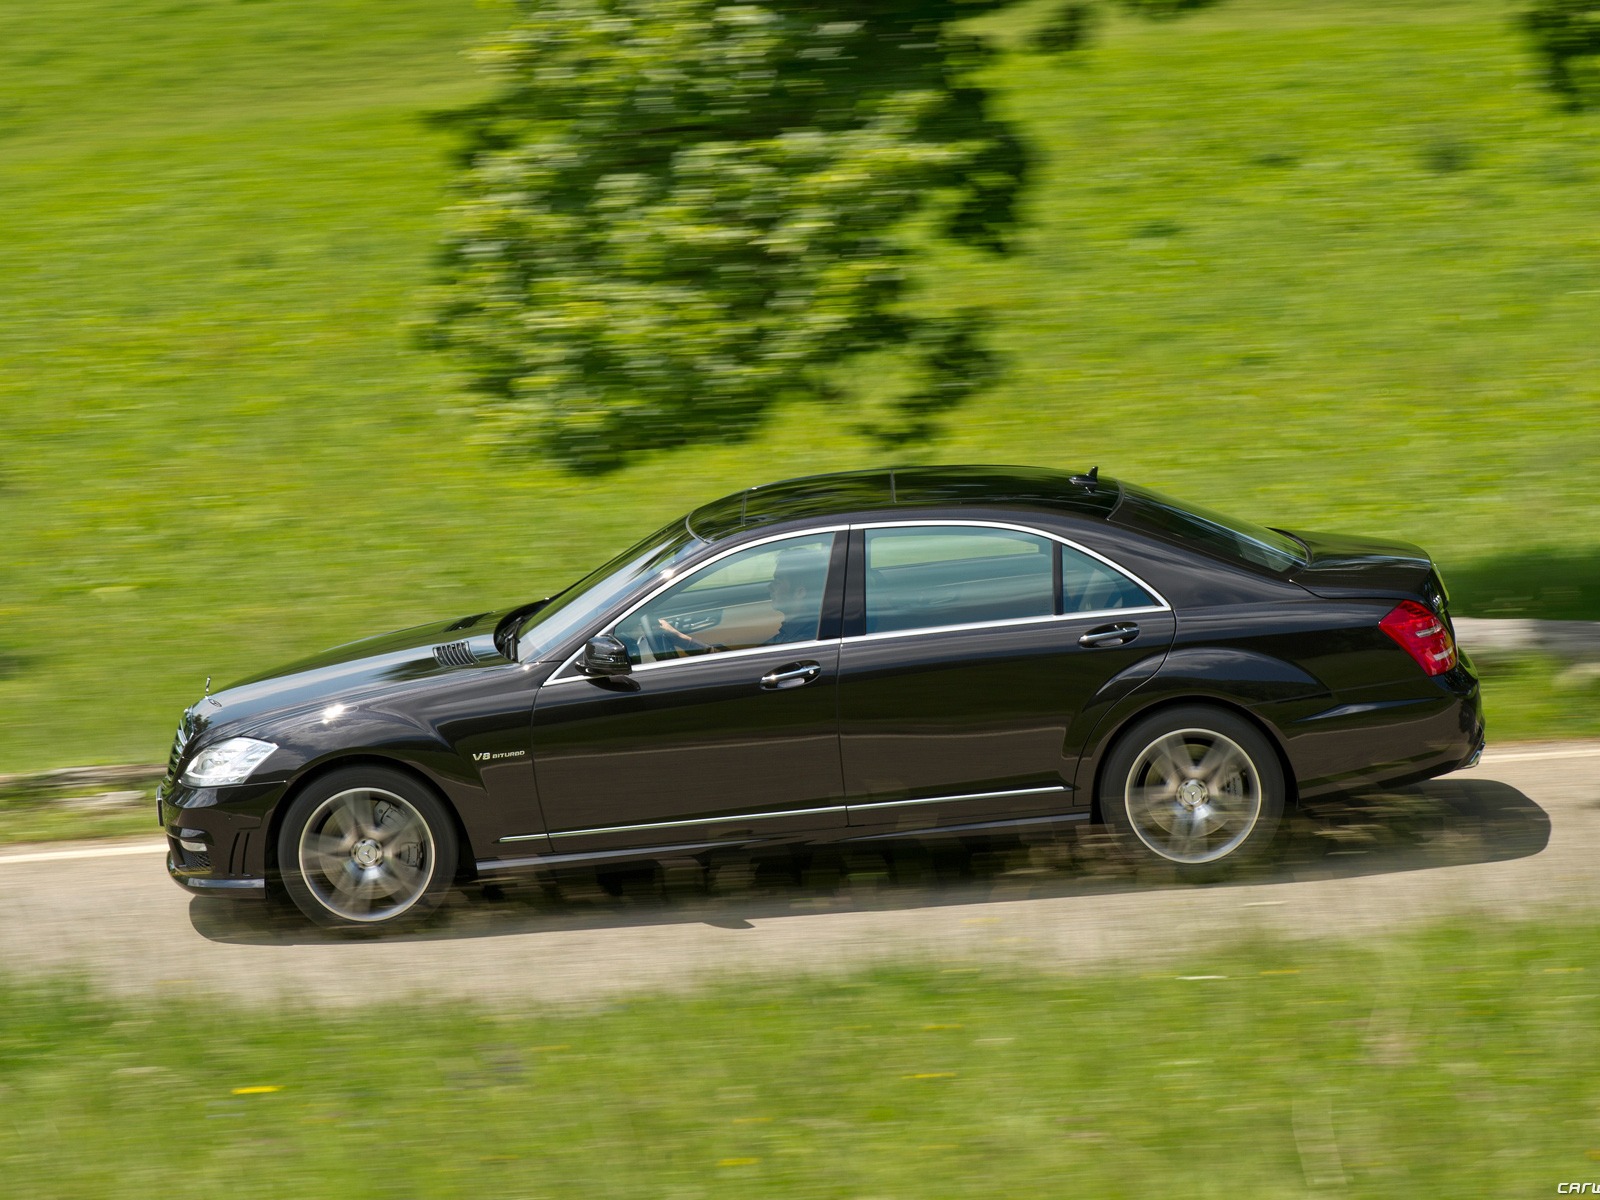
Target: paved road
(1518, 834)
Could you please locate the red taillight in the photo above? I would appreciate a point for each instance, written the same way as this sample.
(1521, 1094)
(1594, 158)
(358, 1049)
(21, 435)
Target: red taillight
(1422, 635)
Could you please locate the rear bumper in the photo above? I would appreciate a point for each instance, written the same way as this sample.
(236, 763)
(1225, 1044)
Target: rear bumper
(1423, 731)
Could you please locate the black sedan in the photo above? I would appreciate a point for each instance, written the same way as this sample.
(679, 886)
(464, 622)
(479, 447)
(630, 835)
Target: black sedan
(967, 652)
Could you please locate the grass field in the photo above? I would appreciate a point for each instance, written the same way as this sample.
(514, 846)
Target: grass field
(1456, 1062)
(1327, 265)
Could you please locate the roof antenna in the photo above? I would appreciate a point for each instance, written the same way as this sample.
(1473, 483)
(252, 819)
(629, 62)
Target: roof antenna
(1089, 481)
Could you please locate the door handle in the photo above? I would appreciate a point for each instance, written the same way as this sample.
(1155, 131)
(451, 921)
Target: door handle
(1110, 635)
(797, 675)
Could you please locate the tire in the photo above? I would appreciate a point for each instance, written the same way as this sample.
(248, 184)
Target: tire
(1196, 789)
(367, 849)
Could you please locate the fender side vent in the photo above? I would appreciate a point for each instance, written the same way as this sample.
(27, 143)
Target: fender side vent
(455, 654)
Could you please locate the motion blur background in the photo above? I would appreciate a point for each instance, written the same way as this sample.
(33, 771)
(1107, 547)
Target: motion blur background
(1329, 265)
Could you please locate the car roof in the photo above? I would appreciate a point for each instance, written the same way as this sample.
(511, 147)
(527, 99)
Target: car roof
(905, 487)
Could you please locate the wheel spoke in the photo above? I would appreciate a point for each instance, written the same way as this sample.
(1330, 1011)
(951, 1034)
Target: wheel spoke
(360, 807)
(369, 888)
(1155, 805)
(1222, 762)
(1203, 821)
(400, 831)
(386, 883)
(1181, 841)
(408, 877)
(1174, 758)
(345, 876)
(327, 849)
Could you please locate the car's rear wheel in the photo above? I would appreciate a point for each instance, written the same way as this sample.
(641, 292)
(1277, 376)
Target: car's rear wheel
(366, 848)
(1197, 788)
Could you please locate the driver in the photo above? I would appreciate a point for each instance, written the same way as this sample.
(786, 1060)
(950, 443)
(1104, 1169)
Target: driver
(795, 591)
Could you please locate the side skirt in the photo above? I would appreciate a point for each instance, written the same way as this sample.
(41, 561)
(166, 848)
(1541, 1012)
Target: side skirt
(489, 869)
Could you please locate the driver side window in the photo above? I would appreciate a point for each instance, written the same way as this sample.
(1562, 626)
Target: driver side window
(768, 595)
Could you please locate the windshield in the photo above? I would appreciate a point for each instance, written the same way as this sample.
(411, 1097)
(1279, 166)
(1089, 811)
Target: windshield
(546, 630)
(1226, 536)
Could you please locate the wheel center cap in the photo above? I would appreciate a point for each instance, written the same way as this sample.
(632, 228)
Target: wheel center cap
(1193, 793)
(367, 853)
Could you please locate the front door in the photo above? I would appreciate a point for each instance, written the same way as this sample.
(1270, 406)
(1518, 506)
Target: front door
(727, 726)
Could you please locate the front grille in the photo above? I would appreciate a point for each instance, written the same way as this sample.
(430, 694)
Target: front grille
(179, 741)
(454, 654)
(194, 860)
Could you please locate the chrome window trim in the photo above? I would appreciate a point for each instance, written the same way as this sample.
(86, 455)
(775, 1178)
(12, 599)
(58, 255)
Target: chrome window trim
(1161, 601)
(730, 818)
(559, 675)
(1097, 615)
(718, 656)
(566, 673)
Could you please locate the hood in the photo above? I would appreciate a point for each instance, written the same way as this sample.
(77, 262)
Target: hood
(356, 670)
(1342, 565)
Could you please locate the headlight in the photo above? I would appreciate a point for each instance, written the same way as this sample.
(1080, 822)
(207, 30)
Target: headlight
(227, 762)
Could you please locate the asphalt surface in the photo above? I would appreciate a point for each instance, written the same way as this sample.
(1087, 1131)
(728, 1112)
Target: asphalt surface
(1516, 836)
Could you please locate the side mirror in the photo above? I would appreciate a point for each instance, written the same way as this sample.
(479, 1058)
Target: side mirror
(604, 655)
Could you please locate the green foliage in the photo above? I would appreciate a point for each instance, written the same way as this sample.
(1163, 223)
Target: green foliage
(1564, 30)
(1067, 29)
(1161, 10)
(675, 213)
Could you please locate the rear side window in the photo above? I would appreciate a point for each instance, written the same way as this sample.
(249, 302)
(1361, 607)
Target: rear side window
(1088, 585)
(923, 577)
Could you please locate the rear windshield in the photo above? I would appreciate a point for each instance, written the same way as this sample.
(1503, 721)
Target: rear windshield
(1226, 537)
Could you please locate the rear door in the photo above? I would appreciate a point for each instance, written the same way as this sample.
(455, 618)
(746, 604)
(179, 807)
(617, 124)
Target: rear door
(970, 650)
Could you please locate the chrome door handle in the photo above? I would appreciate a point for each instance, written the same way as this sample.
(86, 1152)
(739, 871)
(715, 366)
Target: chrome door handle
(798, 675)
(1110, 635)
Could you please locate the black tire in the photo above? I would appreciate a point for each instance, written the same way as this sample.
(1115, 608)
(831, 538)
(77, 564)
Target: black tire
(1202, 819)
(367, 849)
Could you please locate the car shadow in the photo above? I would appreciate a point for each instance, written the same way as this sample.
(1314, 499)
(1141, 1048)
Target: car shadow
(1441, 823)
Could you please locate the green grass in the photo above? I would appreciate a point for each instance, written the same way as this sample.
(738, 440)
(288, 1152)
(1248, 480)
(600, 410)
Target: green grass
(1327, 265)
(1536, 697)
(1457, 1061)
(31, 812)
(22, 822)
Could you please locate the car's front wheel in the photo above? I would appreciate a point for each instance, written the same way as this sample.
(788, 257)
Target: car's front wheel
(1197, 788)
(366, 848)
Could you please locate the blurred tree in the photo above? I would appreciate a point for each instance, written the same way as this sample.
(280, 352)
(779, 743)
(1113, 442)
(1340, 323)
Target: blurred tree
(1162, 9)
(673, 213)
(1562, 31)
(1067, 28)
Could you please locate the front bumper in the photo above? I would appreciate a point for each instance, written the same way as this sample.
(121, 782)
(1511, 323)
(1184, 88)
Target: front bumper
(217, 837)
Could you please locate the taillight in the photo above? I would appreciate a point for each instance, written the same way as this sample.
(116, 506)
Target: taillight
(1422, 635)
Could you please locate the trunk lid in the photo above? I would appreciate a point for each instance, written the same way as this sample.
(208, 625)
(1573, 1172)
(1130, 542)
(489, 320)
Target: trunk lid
(1341, 566)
